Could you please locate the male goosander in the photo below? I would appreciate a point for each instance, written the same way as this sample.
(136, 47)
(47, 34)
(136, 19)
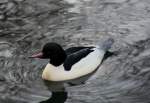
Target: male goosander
(72, 63)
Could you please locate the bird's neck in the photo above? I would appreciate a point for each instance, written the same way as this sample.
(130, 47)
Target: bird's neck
(58, 58)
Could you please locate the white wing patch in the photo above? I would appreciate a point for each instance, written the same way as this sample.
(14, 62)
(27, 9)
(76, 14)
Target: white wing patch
(83, 67)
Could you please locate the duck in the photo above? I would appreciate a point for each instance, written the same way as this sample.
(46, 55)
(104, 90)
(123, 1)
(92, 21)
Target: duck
(72, 63)
(73, 66)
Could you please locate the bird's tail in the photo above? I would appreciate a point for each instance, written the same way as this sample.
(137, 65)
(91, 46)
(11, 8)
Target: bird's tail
(106, 44)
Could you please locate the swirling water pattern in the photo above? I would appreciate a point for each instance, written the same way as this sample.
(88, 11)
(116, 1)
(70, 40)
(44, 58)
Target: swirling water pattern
(26, 25)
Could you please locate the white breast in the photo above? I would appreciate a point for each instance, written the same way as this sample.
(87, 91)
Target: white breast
(83, 67)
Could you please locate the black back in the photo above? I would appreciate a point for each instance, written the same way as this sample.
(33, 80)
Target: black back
(75, 49)
(75, 54)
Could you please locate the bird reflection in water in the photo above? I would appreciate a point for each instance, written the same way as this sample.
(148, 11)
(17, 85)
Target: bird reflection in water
(58, 89)
(59, 94)
(57, 97)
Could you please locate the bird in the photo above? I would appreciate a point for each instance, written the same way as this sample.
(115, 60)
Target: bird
(74, 63)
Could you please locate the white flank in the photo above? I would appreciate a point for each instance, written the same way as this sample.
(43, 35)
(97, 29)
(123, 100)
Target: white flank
(83, 67)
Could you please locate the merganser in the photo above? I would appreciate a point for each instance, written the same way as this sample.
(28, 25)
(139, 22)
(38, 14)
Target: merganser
(72, 63)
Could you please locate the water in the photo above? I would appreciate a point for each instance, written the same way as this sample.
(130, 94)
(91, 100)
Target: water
(25, 26)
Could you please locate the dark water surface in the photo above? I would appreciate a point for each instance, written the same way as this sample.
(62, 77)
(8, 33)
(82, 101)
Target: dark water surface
(25, 25)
